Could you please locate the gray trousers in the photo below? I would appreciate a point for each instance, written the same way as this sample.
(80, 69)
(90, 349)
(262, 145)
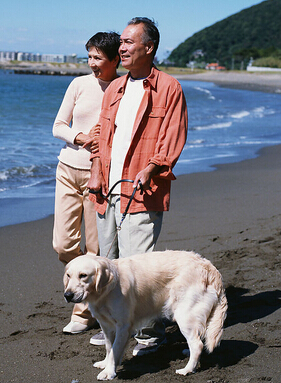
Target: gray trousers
(139, 233)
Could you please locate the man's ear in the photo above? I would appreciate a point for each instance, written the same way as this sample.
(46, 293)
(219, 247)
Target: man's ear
(103, 277)
(149, 47)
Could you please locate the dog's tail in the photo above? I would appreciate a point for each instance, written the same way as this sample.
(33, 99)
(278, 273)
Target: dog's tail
(215, 322)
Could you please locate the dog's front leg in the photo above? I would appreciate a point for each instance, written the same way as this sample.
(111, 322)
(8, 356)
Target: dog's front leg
(115, 355)
(109, 339)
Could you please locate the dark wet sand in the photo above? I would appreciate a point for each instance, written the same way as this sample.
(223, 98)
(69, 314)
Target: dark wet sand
(231, 216)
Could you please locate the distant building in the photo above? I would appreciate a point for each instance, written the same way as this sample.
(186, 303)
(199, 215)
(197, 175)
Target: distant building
(220, 67)
(23, 56)
(8, 56)
(212, 66)
(27, 56)
(198, 53)
(215, 66)
(52, 58)
(167, 62)
(71, 58)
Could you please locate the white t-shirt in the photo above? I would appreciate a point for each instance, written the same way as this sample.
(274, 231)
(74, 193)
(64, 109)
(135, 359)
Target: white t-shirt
(124, 122)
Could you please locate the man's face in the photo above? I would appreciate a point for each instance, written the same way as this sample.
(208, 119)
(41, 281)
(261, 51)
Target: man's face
(133, 52)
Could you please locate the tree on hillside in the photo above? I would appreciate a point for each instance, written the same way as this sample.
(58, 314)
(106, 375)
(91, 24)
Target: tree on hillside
(253, 32)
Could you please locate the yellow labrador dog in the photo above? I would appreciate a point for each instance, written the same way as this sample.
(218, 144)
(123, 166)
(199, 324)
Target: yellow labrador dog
(126, 293)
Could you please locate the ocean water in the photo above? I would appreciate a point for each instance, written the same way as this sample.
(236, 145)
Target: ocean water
(225, 125)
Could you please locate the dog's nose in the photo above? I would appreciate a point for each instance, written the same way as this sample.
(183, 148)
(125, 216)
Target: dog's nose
(68, 296)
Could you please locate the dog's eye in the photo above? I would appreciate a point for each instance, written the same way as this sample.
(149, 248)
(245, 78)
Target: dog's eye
(82, 276)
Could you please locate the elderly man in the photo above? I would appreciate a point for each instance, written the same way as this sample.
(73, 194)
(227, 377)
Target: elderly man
(143, 131)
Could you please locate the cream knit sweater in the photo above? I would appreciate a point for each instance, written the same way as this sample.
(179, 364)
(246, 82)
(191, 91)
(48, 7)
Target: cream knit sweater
(78, 113)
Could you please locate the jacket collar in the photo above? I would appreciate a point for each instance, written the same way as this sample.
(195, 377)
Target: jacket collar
(151, 79)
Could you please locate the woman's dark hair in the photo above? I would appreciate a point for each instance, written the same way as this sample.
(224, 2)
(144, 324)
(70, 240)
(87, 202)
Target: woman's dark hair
(151, 32)
(107, 42)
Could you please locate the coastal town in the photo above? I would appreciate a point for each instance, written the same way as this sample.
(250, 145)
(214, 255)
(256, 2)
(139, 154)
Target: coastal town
(6, 56)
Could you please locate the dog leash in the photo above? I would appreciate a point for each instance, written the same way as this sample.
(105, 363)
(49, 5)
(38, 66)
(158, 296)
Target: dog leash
(127, 207)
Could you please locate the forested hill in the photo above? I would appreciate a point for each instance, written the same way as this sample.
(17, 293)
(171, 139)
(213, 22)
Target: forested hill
(254, 32)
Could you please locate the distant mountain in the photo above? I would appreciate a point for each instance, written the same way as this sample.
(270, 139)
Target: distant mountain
(254, 32)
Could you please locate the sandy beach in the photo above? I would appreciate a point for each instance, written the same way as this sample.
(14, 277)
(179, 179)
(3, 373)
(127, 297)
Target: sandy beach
(255, 81)
(231, 216)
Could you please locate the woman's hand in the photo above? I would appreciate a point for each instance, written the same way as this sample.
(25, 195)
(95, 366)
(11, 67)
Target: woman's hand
(80, 139)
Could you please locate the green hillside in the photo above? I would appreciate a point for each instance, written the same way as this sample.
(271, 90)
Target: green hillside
(254, 32)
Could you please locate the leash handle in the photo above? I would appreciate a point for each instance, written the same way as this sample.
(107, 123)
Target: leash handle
(111, 190)
(113, 187)
(130, 200)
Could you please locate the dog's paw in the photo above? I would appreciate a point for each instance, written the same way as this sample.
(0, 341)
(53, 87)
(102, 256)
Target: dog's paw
(101, 364)
(106, 375)
(184, 371)
(181, 371)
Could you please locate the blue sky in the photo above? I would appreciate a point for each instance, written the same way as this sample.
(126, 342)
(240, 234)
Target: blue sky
(64, 26)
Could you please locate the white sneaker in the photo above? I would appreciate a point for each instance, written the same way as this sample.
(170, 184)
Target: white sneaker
(75, 328)
(98, 339)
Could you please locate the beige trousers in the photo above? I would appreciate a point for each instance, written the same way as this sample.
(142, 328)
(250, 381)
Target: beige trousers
(71, 205)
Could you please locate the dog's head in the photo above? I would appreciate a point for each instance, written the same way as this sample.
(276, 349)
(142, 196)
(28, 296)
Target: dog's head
(87, 277)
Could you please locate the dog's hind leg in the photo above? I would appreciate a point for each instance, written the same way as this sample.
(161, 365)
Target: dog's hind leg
(191, 334)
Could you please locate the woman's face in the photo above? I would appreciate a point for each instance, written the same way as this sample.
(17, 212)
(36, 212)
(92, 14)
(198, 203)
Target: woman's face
(101, 66)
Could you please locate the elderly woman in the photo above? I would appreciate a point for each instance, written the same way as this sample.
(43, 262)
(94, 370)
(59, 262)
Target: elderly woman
(78, 114)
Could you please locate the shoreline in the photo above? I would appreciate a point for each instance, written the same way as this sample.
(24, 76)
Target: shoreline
(225, 167)
(24, 210)
(15, 212)
(254, 81)
(230, 216)
(261, 82)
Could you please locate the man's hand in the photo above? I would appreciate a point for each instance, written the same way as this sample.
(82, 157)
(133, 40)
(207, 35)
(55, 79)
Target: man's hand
(95, 131)
(96, 181)
(145, 175)
(92, 145)
(92, 141)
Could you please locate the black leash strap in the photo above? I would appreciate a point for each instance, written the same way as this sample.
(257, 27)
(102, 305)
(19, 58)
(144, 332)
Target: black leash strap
(129, 203)
(111, 190)
(130, 200)
(116, 183)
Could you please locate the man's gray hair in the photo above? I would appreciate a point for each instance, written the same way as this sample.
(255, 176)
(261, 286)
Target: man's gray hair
(151, 32)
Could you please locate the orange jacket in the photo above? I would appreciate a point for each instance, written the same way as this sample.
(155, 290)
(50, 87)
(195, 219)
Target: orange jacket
(158, 137)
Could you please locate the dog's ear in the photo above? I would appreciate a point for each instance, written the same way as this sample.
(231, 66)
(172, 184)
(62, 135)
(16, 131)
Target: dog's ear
(65, 277)
(104, 276)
